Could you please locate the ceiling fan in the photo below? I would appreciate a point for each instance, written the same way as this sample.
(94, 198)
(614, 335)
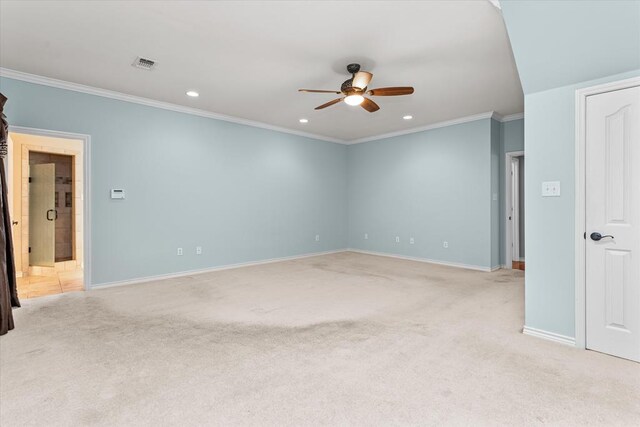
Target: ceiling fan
(355, 89)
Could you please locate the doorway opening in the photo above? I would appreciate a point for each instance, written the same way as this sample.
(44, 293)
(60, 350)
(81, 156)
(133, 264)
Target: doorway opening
(47, 210)
(514, 215)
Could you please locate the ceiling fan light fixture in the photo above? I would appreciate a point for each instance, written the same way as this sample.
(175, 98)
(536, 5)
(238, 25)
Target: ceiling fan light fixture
(355, 89)
(354, 99)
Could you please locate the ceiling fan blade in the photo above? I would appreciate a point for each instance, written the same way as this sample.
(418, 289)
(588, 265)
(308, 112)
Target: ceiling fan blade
(369, 105)
(318, 91)
(329, 104)
(391, 91)
(361, 79)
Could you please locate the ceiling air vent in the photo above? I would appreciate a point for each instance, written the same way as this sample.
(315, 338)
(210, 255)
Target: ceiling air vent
(144, 63)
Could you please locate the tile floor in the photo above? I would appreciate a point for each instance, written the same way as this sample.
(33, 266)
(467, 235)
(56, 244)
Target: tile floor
(38, 286)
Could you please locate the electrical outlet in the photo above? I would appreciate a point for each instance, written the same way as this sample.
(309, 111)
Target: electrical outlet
(366, 236)
(198, 250)
(317, 237)
(412, 241)
(397, 239)
(445, 245)
(179, 251)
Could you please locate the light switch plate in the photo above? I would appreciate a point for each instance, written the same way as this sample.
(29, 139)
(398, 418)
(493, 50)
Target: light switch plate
(551, 189)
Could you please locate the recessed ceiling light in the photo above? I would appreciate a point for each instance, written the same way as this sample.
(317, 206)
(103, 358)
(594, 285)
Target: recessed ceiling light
(407, 117)
(303, 121)
(193, 94)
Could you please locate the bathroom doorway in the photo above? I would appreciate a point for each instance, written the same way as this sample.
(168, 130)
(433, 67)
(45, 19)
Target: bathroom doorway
(47, 213)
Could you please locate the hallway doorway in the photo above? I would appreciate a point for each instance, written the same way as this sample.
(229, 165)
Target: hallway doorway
(515, 256)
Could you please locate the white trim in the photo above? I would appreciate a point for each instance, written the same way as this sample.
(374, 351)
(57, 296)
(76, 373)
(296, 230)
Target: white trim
(90, 90)
(549, 336)
(580, 197)
(211, 269)
(61, 84)
(86, 224)
(511, 117)
(430, 261)
(8, 161)
(508, 238)
(457, 121)
(460, 120)
(515, 202)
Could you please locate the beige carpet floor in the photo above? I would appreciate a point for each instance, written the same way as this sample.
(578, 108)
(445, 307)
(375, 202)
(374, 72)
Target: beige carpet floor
(342, 339)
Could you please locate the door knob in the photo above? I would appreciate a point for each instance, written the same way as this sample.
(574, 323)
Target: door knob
(597, 236)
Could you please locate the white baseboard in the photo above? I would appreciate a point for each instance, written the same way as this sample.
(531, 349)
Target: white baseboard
(430, 261)
(272, 260)
(209, 270)
(550, 336)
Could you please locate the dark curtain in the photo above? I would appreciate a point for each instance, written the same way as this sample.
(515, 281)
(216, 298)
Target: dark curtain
(8, 288)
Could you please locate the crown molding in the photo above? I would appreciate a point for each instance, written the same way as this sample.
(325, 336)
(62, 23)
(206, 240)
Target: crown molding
(460, 120)
(446, 123)
(511, 117)
(90, 90)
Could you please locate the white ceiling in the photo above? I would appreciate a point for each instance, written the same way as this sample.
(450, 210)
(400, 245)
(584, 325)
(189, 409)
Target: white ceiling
(247, 59)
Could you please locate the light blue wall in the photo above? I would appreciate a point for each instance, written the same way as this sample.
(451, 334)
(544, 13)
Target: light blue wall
(242, 193)
(564, 42)
(434, 186)
(512, 134)
(560, 47)
(550, 153)
(261, 194)
(511, 139)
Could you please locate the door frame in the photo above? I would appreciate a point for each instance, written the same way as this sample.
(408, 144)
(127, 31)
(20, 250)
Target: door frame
(86, 189)
(511, 234)
(580, 198)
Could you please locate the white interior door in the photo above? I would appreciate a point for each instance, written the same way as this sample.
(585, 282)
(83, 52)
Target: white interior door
(613, 223)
